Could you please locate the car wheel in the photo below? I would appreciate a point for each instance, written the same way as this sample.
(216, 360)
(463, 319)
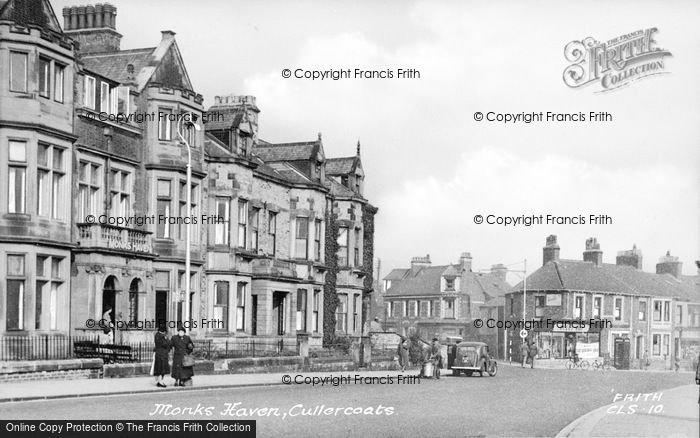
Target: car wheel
(456, 373)
(493, 369)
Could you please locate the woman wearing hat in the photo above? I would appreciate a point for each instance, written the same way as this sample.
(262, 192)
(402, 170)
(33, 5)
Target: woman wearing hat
(182, 344)
(160, 357)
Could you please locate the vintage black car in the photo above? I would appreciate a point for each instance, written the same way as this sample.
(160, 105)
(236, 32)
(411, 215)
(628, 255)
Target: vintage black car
(468, 357)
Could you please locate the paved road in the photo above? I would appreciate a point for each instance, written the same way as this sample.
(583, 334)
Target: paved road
(517, 402)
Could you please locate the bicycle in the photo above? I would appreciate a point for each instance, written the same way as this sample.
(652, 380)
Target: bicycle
(575, 362)
(604, 365)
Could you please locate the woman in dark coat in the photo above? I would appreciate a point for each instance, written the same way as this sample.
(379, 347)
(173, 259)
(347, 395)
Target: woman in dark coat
(182, 345)
(160, 358)
(403, 353)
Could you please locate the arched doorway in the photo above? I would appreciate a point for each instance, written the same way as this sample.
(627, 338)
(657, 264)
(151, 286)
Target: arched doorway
(109, 299)
(135, 289)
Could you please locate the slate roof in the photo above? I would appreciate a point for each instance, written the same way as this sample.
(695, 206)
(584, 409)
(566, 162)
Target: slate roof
(338, 189)
(609, 278)
(426, 281)
(113, 65)
(227, 120)
(397, 274)
(30, 12)
(301, 151)
(340, 166)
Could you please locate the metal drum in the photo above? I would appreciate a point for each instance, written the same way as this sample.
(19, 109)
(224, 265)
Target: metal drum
(428, 368)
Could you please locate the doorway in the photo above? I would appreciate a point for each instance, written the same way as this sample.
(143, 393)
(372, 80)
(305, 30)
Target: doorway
(278, 320)
(109, 300)
(254, 319)
(639, 347)
(161, 307)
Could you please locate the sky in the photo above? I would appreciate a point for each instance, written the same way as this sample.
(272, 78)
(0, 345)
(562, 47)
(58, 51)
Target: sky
(430, 167)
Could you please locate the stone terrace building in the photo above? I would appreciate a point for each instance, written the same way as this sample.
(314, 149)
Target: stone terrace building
(37, 71)
(443, 301)
(285, 208)
(655, 312)
(289, 249)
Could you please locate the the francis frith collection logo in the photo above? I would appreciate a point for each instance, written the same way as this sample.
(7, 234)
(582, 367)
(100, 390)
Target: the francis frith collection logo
(614, 63)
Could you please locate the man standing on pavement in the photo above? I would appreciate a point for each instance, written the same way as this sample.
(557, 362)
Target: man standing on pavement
(533, 353)
(436, 351)
(524, 353)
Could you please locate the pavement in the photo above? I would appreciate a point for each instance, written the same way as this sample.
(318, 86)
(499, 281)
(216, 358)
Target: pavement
(57, 389)
(670, 413)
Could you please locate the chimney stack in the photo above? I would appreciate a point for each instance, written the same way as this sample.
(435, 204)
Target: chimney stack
(93, 27)
(550, 252)
(669, 264)
(593, 253)
(465, 261)
(420, 262)
(631, 257)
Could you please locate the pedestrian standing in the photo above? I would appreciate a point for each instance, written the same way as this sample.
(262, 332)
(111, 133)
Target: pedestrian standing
(645, 359)
(533, 353)
(182, 345)
(697, 376)
(160, 366)
(524, 353)
(403, 353)
(436, 350)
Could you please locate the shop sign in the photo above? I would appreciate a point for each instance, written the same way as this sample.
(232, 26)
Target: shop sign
(587, 350)
(553, 300)
(129, 246)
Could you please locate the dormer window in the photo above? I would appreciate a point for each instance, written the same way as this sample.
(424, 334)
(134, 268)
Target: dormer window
(449, 284)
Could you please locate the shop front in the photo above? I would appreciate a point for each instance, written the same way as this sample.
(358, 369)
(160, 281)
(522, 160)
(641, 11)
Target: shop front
(564, 342)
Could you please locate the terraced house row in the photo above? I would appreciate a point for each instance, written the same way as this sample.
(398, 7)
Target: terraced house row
(283, 242)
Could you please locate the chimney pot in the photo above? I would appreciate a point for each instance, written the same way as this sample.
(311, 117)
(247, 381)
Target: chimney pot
(167, 34)
(66, 18)
(81, 17)
(89, 16)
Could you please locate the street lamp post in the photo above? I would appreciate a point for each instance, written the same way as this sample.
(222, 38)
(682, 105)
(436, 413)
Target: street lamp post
(185, 122)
